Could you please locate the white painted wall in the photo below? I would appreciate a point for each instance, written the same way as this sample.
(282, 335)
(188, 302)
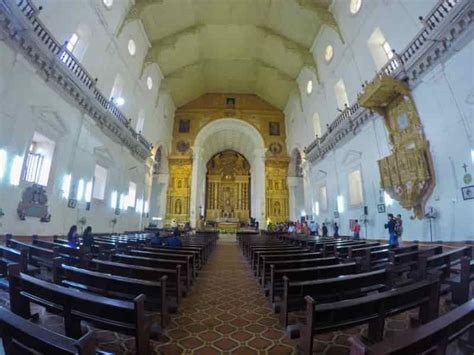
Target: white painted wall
(27, 104)
(444, 100)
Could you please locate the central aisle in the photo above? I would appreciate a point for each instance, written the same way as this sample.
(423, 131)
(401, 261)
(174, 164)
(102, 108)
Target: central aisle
(226, 311)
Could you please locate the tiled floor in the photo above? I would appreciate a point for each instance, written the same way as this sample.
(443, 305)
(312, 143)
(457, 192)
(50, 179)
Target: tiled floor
(227, 313)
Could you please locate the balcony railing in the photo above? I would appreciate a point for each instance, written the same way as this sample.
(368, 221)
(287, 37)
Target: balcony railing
(398, 65)
(64, 56)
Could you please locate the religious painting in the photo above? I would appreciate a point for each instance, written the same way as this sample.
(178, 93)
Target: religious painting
(274, 128)
(230, 102)
(468, 192)
(182, 146)
(184, 126)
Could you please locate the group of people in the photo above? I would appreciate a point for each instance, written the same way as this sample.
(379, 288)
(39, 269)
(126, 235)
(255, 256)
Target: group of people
(73, 238)
(394, 226)
(311, 228)
(87, 238)
(172, 241)
(395, 229)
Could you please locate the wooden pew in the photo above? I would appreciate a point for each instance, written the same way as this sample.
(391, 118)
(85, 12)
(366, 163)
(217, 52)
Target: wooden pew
(256, 251)
(156, 263)
(371, 309)
(263, 265)
(195, 255)
(331, 290)
(409, 261)
(114, 286)
(360, 251)
(19, 334)
(342, 250)
(186, 258)
(443, 263)
(173, 282)
(74, 306)
(298, 263)
(71, 254)
(307, 274)
(37, 256)
(259, 256)
(12, 256)
(460, 285)
(432, 337)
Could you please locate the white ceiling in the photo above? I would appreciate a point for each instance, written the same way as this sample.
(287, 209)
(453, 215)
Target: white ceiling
(231, 46)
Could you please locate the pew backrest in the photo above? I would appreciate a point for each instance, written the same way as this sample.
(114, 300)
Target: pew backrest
(19, 334)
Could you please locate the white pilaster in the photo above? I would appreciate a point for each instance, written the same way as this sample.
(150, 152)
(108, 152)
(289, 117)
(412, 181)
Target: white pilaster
(258, 179)
(292, 183)
(194, 208)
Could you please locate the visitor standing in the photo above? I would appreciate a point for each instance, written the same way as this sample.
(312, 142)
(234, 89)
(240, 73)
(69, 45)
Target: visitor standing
(391, 226)
(399, 227)
(356, 230)
(336, 230)
(325, 230)
(87, 239)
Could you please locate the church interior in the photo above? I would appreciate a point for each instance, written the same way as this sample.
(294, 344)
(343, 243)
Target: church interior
(236, 177)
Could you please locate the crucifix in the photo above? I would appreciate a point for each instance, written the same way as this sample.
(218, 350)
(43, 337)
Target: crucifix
(464, 166)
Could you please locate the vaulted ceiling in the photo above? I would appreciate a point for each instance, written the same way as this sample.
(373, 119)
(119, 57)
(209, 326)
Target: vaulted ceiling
(231, 46)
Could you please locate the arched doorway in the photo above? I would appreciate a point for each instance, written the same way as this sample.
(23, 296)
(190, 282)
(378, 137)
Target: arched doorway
(238, 136)
(228, 188)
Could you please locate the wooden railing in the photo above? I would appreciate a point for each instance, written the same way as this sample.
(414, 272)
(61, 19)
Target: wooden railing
(398, 63)
(64, 56)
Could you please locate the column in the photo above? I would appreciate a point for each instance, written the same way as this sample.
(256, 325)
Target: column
(292, 183)
(158, 196)
(194, 207)
(258, 178)
(307, 191)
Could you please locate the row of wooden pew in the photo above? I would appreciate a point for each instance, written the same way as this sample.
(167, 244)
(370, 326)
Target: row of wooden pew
(116, 289)
(344, 283)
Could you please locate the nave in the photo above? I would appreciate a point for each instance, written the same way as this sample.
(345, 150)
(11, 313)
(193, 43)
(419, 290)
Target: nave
(226, 311)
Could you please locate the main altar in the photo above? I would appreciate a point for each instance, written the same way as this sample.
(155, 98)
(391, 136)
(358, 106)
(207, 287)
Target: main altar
(227, 191)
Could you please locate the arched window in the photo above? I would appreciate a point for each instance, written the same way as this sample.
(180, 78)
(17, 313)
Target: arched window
(317, 124)
(140, 121)
(117, 89)
(132, 47)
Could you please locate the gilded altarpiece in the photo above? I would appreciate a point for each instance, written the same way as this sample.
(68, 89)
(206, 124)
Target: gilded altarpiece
(179, 190)
(192, 117)
(276, 194)
(228, 188)
(407, 174)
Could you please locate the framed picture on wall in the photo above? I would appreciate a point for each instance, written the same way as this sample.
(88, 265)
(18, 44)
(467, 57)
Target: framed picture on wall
(468, 192)
(274, 128)
(381, 208)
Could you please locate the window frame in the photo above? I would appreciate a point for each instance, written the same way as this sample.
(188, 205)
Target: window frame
(44, 163)
(351, 203)
(94, 183)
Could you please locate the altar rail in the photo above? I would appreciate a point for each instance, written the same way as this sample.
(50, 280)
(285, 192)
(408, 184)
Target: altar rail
(449, 22)
(25, 32)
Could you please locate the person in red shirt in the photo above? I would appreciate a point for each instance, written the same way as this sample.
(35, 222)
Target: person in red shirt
(356, 230)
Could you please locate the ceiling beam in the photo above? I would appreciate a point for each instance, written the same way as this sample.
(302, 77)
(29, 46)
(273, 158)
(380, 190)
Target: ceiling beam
(135, 11)
(322, 13)
(169, 41)
(293, 46)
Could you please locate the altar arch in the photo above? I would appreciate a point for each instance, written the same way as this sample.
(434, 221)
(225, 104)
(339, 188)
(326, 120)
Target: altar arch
(228, 134)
